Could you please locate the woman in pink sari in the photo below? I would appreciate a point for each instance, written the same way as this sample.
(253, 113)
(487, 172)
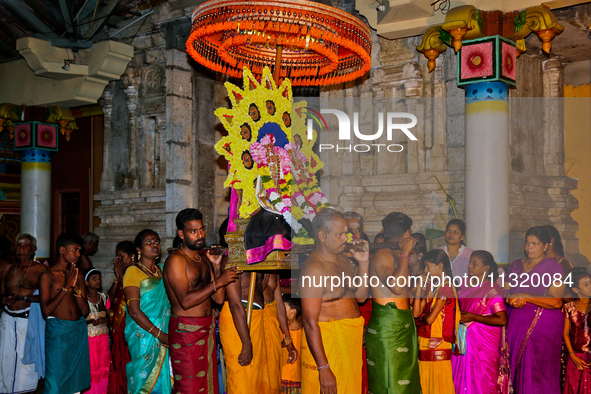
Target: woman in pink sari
(484, 314)
(577, 335)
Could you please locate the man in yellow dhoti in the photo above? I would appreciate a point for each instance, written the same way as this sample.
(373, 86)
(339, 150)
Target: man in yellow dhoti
(275, 323)
(249, 368)
(331, 350)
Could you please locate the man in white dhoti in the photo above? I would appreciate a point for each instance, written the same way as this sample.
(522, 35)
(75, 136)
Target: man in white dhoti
(18, 283)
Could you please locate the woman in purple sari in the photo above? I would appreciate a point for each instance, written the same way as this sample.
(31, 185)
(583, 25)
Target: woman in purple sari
(536, 323)
(484, 314)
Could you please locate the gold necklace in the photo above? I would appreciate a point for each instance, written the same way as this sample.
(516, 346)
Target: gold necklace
(578, 307)
(187, 254)
(147, 270)
(60, 270)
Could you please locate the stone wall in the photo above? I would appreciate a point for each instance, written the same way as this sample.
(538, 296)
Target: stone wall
(159, 135)
(375, 184)
(160, 130)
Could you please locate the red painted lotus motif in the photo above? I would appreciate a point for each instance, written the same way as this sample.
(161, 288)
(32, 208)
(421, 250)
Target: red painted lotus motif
(46, 136)
(476, 60)
(509, 61)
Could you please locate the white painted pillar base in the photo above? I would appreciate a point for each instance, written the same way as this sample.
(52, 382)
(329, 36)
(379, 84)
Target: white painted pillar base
(36, 199)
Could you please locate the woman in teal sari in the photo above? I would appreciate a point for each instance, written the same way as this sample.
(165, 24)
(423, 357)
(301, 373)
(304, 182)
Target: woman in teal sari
(148, 311)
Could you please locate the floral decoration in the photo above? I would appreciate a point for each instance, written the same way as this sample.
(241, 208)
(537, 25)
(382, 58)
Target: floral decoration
(260, 144)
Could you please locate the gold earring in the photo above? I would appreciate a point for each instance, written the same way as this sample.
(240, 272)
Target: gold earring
(139, 256)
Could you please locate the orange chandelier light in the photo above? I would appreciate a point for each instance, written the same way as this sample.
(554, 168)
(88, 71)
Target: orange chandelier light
(310, 43)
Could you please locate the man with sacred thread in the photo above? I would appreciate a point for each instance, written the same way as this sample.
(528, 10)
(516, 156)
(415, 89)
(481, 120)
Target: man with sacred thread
(192, 280)
(331, 350)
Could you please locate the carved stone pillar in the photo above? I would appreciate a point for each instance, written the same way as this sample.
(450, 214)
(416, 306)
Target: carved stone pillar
(437, 150)
(107, 176)
(132, 180)
(180, 137)
(146, 134)
(553, 117)
(159, 153)
(413, 86)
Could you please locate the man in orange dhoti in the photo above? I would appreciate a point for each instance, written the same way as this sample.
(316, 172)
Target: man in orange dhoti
(331, 350)
(251, 364)
(275, 324)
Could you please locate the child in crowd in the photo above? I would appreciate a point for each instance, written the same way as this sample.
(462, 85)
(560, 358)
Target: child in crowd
(98, 333)
(438, 316)
(577, 335)
(290, 373)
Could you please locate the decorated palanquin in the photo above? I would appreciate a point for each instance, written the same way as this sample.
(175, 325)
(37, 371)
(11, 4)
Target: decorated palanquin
(274, 191)
(271, 163)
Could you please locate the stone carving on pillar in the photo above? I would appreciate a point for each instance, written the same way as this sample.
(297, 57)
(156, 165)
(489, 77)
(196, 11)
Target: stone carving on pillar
(467, 23)
(553, 117)
(153, 80)
(413, 84)
(160, 155)
(413, 87)
(106, 176)
(131, 94)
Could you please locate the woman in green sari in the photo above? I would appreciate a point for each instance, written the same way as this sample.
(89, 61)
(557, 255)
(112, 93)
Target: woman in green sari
(148, 311)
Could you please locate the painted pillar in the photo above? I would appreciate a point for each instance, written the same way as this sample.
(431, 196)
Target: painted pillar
(487, 168)
(486, 69)
(36, 198)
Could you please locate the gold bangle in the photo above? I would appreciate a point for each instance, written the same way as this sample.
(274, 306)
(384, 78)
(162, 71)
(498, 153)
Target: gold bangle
(151, 328)
(64, 289)
(158, 336)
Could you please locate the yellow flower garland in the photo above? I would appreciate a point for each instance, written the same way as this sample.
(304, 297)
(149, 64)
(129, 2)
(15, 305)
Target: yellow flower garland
(259, 103)
(248, 113)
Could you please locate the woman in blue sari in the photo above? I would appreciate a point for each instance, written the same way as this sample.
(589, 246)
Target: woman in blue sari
(148, 311)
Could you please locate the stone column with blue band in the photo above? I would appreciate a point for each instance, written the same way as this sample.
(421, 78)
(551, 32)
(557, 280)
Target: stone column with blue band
(486, 69)
(36, 198)
(36, 141)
